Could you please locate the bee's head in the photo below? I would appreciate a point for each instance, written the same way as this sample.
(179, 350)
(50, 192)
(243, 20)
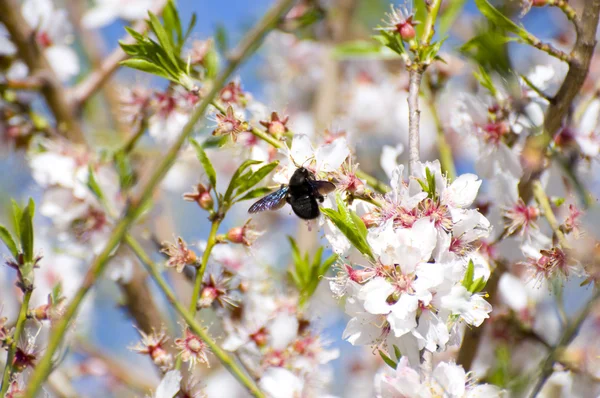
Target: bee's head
(300, 176)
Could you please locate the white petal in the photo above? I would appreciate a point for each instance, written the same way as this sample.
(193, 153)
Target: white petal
(169, 385)
(280, 383)
(331, 156)
(283, 330)
(63, 60)
(463, 191)
(99, 16)
(375, 294)
(402, 319)
(301, 150)
(389, 158)
(512, 292)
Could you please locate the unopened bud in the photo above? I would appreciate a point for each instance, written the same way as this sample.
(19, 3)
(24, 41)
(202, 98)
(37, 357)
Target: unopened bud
(407, 31)
(206, 201)
(260, 337)
(539, 3)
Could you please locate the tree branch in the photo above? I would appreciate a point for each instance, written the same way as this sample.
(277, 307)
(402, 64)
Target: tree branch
(24, 38)
(86, 88)
(138, 205)
(534, 153)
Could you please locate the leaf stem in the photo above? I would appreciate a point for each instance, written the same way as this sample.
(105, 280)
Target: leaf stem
(138, 205)
(227, 361)
(8, 368)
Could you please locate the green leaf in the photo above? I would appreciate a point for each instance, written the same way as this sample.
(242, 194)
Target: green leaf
(166, 42)
(26, 228)
(256, 177)
(235, 179)
(92, 184)
(255, 193)
(190, 27)
(205, 161)
(389, 361)
(221, 39)
(484, 78)
(363, 49)
(146, 66)
(392, 41)
(397, 352)
(172, 25)
(125, 170)
(135, 34)
(451, 13)
(349, 225)
(327, 264)
(478, 285)
(500, 20)
(8, 240)
(56, 294)
(17, 212)
(469, 273)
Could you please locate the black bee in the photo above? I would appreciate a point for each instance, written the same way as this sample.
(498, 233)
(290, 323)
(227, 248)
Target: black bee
(301, 193)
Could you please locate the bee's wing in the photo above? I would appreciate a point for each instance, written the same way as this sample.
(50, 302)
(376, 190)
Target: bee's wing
(272, 201)
(322, 187)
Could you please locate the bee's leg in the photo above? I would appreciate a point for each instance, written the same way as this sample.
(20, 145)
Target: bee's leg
(287, 199)
(320, 198)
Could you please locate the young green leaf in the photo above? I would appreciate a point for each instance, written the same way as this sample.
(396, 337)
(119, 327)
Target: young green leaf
(205, 161)
(9, 241)
(389, 361)
(165, 40)
(26, 228)
(92, 184)
(16, 209)
(256, 177)
(477, 285)
(500, 20)
(146, 66)
(469, 273)
(349, 226)
(236, 180)
(255, 193)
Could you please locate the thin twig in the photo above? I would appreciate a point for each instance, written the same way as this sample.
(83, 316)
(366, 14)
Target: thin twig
(547, 367)
(24, 38)
(86, 88)
(138, 205)
(226, 359)
(12, 348)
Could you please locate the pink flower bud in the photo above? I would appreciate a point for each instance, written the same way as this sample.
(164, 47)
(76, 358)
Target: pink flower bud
(406, 30)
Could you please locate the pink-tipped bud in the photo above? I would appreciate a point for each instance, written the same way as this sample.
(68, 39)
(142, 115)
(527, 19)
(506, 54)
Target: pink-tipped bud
(245, 235)
(260, 337)
(236, 235)
(200, 195)
(206, 201)
(539, 3)
(406, 30)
